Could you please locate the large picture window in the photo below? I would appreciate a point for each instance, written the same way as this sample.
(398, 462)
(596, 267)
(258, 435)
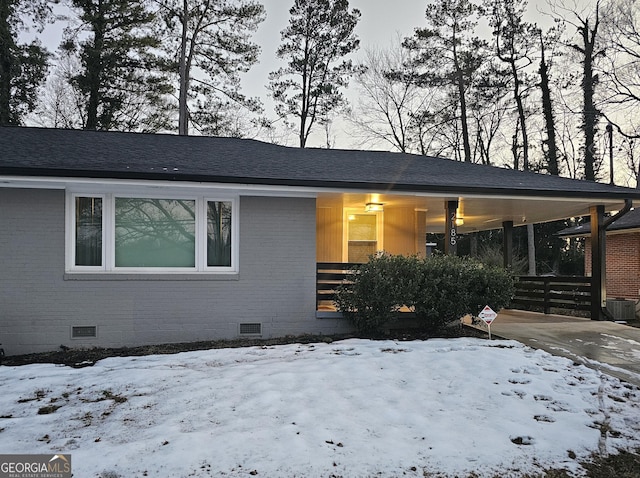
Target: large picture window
(129, 234)
(155, 232)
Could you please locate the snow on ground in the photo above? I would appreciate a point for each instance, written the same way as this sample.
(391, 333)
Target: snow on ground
(350, 408)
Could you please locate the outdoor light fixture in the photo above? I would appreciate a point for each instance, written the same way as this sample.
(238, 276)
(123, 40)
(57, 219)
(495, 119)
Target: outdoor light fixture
(459, 221)
(373, 207)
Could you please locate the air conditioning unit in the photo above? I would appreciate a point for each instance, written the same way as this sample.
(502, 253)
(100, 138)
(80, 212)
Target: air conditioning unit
(622, 309)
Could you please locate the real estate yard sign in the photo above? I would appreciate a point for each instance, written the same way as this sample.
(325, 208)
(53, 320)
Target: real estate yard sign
(488, 315)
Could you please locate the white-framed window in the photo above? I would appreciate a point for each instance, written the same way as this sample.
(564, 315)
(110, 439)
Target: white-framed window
(362, 234)
(114, 232)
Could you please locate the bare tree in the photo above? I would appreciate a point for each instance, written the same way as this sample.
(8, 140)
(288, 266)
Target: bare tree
(60, 105)
(551, 151)
(450, 56)
(514, 46)
(489, 107)
(622, 72)
(390, 103)
(586, 42)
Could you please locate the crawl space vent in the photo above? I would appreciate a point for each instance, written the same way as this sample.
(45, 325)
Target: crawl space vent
(84, 332)
(251, 329)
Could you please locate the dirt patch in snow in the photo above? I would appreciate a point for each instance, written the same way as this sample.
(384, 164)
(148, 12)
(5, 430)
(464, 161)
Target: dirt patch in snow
(86, 357)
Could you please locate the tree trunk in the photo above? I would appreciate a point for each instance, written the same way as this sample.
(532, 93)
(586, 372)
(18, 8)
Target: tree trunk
(514, 148)
(521, 117)
(5, 65)
(5, 90)
(183, 113)
(473, 244)
(547, 109)
(461, 84)
(531, 249)
(94, 69)
(590, 113)
(463, 117)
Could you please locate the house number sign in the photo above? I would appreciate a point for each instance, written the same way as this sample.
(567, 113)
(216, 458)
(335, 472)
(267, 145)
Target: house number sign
(451, 228)
(453, 232)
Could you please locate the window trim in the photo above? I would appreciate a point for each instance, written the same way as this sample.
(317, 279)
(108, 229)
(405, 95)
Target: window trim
(108, 234)
(347, 211)
(72, 238)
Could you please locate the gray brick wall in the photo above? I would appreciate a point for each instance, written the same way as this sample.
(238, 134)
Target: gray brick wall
(39, 303)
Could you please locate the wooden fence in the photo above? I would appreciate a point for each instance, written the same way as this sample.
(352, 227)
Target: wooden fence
(329, 276)
(552, 292)
(532, 292)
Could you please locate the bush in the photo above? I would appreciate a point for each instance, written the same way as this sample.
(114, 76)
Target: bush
(379, 290)
(453, 286)
(440, 289)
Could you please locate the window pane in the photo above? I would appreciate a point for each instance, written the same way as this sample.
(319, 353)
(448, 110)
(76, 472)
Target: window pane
(155, 232)
(88, 231)
(218, 233)
(362, 237)
(362, 227)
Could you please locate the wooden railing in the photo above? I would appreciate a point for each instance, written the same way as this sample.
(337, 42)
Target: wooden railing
(329, 276)
(541, 293)
(552, 292)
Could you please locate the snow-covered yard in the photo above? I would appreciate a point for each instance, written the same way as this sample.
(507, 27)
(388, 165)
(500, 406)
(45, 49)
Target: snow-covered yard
(350, 408)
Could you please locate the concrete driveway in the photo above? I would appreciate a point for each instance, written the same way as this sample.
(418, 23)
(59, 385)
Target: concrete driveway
(607, 346)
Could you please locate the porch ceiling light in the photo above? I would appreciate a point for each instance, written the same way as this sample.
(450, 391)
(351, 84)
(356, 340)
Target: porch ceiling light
(373, 207)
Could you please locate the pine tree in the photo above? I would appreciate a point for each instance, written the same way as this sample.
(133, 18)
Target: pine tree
(514, 46)
(119, 78)
(209, 46)
(319, 36)
(23, 67)
(450, 54)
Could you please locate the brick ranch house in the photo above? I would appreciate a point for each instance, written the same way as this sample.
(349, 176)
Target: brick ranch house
(622, 257)
(121, 239)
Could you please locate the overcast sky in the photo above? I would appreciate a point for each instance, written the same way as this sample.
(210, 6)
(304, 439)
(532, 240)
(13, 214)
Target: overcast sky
(380, 21)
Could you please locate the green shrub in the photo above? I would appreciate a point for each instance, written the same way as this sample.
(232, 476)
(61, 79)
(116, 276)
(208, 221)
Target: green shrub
(378, 291)
(440, 289)
(453, 286)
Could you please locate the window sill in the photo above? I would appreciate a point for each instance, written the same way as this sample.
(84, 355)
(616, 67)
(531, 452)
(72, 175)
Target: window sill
(115, 276)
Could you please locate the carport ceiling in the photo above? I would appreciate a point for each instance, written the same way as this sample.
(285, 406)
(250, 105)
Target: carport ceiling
(478, 212)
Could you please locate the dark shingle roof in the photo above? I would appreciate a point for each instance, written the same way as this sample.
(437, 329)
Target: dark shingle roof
(90, 154)
(630, 220)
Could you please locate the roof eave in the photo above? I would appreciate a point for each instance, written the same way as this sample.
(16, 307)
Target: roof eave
(169, 175)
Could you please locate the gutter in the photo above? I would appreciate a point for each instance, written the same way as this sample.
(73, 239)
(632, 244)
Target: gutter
(628, 205)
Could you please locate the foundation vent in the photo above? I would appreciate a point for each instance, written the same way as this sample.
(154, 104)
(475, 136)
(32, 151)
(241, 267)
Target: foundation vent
(84, 332)
(251, 329)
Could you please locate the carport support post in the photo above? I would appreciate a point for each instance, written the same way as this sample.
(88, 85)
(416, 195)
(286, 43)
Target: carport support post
(451, 228)
(507, 243)
(598, 263)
